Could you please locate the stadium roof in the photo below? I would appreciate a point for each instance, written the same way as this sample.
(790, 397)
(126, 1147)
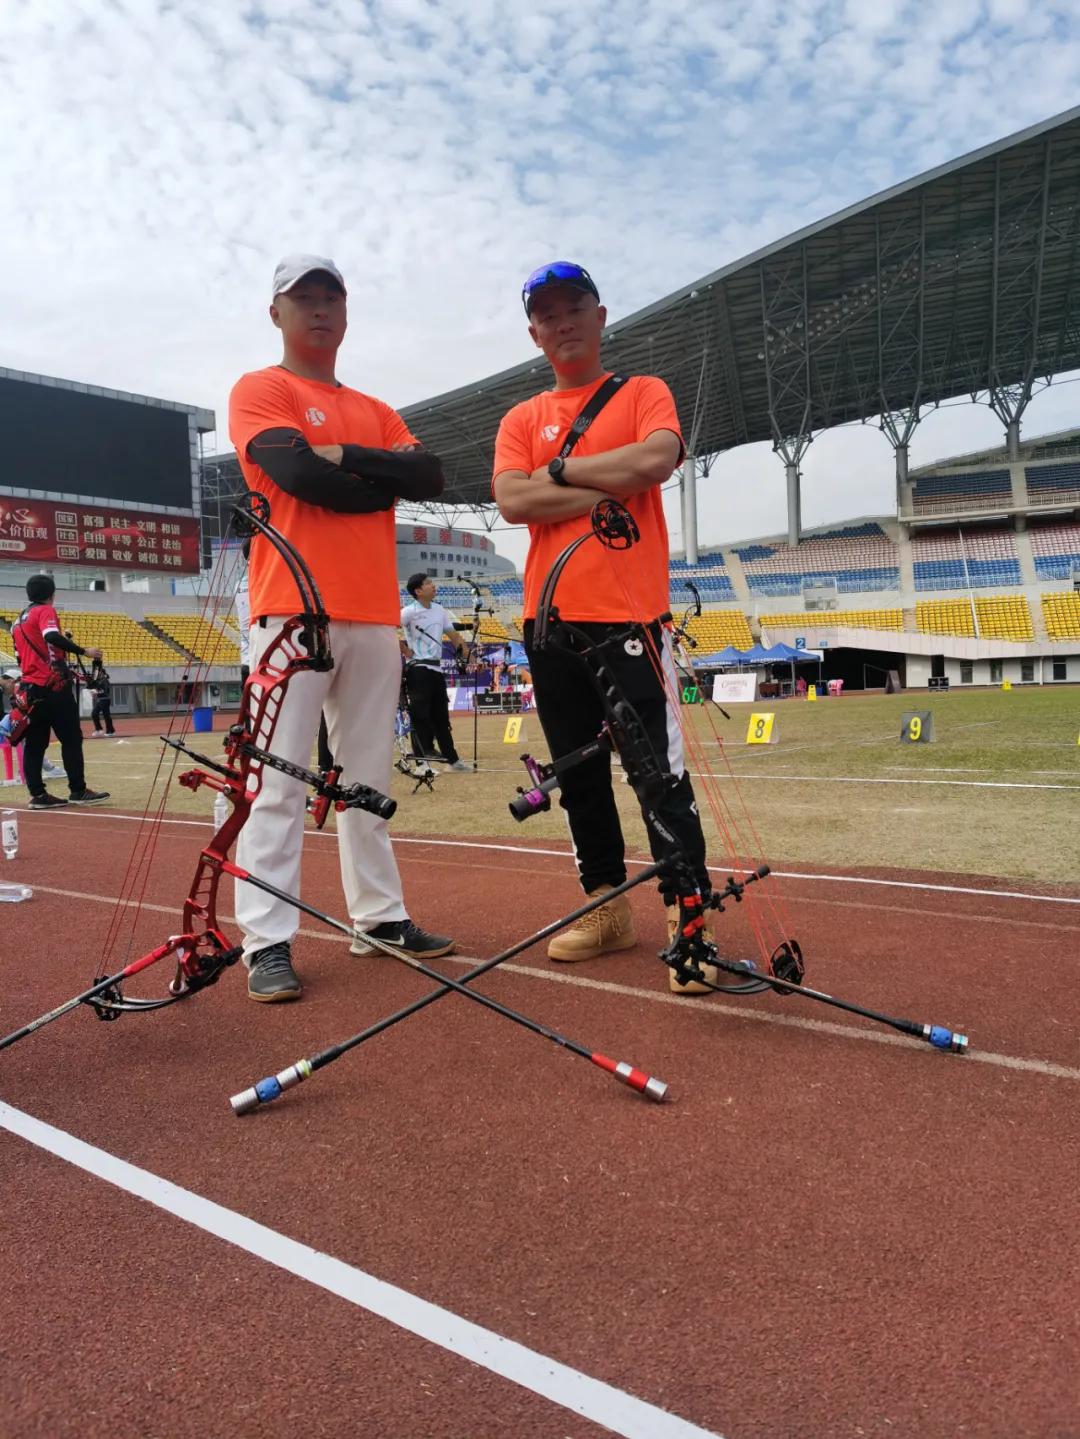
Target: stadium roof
(1062, 444)
(963, 280)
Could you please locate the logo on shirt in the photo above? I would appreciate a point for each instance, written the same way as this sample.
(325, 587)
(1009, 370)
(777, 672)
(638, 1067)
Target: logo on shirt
(315, 417)
(550, 432)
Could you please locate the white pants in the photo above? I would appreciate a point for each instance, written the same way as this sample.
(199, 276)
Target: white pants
(359, 697)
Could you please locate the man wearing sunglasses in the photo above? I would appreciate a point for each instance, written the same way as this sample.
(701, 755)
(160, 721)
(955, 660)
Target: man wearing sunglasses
(628, 451)
(331, 461)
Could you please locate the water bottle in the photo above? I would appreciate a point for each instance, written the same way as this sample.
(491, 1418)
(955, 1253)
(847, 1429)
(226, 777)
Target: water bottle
(9, 836)
(221, 810)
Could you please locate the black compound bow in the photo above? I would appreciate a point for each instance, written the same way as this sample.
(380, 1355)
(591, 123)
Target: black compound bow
(690, 951)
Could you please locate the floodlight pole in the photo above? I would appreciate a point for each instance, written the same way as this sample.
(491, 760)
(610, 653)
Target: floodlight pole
(688, 489)
(794, 502)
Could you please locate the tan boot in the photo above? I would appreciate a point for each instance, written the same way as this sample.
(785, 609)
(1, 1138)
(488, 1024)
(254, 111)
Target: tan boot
(601, 931)
(719, 977)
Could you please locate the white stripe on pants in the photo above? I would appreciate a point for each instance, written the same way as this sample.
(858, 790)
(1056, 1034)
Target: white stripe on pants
(359, 696)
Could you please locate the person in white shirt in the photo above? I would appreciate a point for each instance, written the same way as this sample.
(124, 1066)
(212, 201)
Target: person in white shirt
(425, 625)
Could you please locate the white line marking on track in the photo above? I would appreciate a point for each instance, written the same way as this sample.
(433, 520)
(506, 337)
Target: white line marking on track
(568, 1388)
(1022, 895)
(877, 779)
(714, 1007)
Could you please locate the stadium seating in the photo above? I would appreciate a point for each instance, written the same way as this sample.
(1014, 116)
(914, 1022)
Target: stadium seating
(206, 641)
(892, 620)
(1056, 549)
(1003, 617)
(507, 592)
(978, 490)
(707, 574)
(492, 630)
(716, 629)
(705, 564)
(954, 562)
(1061, 615)
(1053, 482)
(861, 558)
(711, 586)
(944, 617)
(121, 640)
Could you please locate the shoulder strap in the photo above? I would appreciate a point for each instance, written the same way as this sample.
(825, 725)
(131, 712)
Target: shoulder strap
(599, 399)
(41, 654)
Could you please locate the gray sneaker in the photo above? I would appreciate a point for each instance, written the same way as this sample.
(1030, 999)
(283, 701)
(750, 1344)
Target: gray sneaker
(462, 765)
(271, 976)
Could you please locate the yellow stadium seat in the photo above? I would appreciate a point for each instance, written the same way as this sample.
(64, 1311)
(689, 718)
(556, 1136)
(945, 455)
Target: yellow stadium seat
(205, 640)
(1004, 617)
(716, 629)
(1061, 615)
(944, 617)
(892, 620)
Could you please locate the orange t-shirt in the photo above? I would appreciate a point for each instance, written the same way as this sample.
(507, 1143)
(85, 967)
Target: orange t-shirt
(590, 587)
(352, 557)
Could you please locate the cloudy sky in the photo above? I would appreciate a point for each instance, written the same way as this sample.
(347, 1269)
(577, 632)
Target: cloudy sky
(158, 157)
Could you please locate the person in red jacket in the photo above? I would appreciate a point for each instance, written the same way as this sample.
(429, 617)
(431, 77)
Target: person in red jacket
(40, 646)
(332, 461)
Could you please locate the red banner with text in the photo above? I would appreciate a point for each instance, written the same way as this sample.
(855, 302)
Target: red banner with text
(51, 532)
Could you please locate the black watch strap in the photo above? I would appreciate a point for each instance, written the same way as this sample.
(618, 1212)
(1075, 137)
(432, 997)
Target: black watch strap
(555, 470)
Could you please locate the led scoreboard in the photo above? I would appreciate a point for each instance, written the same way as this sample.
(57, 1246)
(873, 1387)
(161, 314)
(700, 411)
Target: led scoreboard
(98, 477)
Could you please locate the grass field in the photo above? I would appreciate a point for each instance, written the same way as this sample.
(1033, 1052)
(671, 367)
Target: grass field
(997, 792)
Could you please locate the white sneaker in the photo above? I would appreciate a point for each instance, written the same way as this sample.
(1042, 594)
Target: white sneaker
(52, 771)
(462, 764)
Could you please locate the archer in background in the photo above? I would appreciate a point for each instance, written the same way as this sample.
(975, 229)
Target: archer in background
(331, 461)
(425, 625)
(100, 686)
(628, 451)
(47, 681)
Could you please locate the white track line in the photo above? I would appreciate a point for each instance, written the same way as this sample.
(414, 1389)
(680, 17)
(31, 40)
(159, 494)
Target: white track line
(615, 1410)
(714, 1008)
(877, 779)
(1020, 895)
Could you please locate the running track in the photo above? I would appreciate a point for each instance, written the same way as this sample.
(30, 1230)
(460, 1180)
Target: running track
(830, 1230)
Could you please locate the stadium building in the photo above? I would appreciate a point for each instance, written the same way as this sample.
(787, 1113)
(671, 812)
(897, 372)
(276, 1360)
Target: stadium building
(962, 281)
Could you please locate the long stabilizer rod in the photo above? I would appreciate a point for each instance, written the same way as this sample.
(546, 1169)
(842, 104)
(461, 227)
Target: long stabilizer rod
(271, 1088)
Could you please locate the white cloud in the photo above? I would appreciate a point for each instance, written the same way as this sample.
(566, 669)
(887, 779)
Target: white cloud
(158, 158)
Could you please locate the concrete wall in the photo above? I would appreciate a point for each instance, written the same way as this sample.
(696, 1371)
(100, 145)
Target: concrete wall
(918, 671)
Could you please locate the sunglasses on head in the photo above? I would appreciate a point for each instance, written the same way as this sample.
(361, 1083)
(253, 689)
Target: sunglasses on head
(559, 272)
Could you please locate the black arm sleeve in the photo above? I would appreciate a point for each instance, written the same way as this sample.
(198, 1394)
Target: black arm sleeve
(294, 467)
(61, 642)
(409, 474)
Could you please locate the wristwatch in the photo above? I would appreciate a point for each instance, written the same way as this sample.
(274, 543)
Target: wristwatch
(555, 470)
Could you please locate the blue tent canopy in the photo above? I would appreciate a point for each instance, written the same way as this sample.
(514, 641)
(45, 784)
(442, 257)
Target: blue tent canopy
(755, 655)
(729, 656)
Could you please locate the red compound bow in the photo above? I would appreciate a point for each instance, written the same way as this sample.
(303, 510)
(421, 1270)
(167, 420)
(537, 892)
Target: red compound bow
(201, 950)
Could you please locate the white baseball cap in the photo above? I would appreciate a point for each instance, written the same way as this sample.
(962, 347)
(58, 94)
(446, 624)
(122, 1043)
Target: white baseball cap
(293, 268)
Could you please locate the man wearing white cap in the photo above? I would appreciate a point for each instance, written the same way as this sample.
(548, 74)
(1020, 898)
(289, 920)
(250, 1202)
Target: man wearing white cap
(332, 462)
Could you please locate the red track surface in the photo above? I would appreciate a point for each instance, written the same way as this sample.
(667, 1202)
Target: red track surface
(818, 1235)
